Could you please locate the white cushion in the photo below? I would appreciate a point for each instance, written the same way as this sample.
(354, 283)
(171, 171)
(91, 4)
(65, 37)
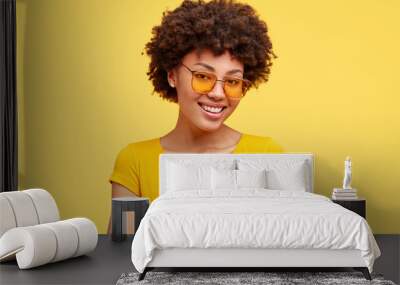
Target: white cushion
(33, 245)
(251, 178)
(23, 208)
(223, 179)
(186, 177)
(26, 208)
(199, 161)
(290, 179)
(282, 174)
(45, 205)
(7, 220)
(87, 233)
(228, 179)
(67, 237)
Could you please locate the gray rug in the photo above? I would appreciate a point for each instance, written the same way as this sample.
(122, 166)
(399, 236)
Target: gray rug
(243, 278)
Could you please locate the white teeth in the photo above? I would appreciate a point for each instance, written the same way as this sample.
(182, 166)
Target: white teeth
(212, 109)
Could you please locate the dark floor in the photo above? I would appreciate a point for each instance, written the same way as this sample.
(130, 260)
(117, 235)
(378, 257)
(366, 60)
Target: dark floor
(110, 260)
(389, 262)
(102, 266)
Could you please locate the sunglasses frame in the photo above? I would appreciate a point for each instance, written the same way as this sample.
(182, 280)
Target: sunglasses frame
(245, 83)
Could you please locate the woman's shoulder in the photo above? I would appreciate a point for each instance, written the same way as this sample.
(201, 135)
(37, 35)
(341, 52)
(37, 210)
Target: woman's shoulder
(142, 148)
(145, 144)
(255, 143)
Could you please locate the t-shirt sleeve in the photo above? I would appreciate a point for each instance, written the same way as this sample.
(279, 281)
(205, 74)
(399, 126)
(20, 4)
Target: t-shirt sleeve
(274, 147)
(126, 171)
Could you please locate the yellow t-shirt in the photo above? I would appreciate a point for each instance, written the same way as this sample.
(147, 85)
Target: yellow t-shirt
(136, 165)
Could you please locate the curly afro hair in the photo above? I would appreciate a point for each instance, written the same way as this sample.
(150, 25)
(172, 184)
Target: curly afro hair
(218, 25)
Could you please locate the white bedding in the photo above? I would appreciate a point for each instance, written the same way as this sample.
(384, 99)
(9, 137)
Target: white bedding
(250, 218)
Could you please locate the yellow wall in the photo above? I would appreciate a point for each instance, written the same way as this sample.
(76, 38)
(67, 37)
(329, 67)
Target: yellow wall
(83, 95)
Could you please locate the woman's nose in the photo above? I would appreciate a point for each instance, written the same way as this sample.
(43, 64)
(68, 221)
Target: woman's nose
(218, 91)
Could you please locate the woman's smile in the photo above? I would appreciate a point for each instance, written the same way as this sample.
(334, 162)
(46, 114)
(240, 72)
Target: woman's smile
(212, 111)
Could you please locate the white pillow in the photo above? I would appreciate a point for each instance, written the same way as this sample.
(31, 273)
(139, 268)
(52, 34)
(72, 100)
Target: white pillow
(251, 178)
(288, 179)
(282, 174)
(188, 177)
(236, 179)
(218, 163)
(223, 179)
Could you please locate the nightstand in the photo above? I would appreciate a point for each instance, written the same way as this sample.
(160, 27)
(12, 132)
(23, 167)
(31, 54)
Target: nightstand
(357, 205)
(123, 209)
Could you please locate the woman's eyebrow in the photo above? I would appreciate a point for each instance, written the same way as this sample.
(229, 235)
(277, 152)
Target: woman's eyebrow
(209, 67)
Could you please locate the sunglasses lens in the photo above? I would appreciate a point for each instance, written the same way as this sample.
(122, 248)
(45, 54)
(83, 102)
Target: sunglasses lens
(203, 82)
(233, 87)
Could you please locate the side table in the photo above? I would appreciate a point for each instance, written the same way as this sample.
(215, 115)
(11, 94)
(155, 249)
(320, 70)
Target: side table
(119, 208)
(357, 205)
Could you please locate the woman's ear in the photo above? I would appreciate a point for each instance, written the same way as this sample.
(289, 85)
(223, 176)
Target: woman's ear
(171, 78)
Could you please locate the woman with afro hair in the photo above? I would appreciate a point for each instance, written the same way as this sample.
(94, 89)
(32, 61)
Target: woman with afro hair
(204, 57)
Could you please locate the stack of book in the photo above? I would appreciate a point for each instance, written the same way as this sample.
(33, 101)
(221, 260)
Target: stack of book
(344, 194)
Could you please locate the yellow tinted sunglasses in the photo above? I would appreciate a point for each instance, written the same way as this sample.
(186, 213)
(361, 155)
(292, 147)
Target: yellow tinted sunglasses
(204, 82)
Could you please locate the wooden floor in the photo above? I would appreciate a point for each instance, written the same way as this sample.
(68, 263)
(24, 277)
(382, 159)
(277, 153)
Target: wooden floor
(110, 260)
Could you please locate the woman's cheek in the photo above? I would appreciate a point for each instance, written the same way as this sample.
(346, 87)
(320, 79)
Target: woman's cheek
(232, 107)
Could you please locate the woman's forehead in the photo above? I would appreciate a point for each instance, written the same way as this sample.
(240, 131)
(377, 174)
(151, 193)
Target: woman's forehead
(207, 57)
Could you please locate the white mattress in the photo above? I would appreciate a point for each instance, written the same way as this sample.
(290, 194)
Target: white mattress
(251, 218)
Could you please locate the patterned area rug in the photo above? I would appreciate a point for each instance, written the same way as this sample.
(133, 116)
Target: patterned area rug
(243, 278)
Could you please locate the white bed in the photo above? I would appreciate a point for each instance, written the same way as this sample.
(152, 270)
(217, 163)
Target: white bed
(201, 221)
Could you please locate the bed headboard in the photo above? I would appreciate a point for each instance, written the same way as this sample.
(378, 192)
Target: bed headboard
(191, 158)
